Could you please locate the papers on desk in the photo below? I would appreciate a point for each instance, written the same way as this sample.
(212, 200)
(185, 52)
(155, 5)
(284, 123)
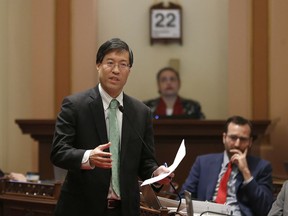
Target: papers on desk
(179, 156)
(199, 207)
(211, 208)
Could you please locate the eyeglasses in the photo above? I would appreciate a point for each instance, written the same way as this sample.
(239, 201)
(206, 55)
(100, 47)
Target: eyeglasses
(122, 66)
(234, 138)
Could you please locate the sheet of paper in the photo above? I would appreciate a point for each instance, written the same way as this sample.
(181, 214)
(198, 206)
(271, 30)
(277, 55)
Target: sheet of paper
(179, 156)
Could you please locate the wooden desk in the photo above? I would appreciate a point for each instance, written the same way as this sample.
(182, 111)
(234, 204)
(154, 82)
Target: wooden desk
(41, 130)
(145, 211)
(201, 137)
(39, 199)
(26, 198)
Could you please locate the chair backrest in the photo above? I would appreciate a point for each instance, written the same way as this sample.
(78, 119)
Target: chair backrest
(149, 197)
(168, 191)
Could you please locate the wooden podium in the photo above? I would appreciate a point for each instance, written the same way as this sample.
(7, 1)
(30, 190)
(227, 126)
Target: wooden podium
(28, 198)
(201, 137)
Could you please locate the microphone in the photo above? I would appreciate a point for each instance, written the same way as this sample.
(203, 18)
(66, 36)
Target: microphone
(121, 108)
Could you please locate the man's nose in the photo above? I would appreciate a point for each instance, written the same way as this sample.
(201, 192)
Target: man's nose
(116, 69)
(237, 142)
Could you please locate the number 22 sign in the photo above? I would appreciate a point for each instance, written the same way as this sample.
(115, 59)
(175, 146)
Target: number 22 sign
(165, 25)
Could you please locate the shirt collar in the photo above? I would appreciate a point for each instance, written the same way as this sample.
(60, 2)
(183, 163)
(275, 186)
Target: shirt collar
(225, 159)
(106, 98)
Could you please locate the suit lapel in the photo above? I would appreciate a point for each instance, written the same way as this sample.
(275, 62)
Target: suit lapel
(126, 127)
(96, 107)
(215, 165)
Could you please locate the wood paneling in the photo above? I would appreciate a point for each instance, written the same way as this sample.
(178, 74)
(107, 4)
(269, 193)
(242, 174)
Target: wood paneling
(201, 137)
(260, 60)
(62, 51)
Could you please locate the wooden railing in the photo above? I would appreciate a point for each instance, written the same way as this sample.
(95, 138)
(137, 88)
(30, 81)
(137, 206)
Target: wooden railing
(201, 137)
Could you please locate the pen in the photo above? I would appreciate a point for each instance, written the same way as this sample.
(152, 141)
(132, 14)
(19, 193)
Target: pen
(166, 165)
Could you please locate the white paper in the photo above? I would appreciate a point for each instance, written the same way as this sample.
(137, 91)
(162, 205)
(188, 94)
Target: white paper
(179, 156)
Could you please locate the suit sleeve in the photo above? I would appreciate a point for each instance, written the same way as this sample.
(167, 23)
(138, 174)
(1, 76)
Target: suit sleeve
(258, 192)
(192, 180)
(64, 154)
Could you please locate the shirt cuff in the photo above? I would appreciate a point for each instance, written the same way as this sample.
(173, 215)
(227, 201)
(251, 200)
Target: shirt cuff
(248, 181)
(85, 164)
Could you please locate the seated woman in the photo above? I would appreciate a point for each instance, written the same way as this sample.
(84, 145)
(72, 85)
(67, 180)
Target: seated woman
(170, 103)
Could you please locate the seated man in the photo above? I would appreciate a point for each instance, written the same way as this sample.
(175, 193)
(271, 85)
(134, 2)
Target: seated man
(170, 103)
(280, 206)
(248, 187)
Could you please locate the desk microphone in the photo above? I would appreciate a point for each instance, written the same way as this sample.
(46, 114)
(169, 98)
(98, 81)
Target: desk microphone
(121, 108)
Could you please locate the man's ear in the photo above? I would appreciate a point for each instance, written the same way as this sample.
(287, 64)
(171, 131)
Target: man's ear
(224, 137)
(250, 142)
(97, 66)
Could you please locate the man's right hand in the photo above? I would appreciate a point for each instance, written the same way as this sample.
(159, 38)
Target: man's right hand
(100, 158)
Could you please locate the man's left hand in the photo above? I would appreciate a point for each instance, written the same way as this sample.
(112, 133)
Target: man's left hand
(160, 170)
(239, 158)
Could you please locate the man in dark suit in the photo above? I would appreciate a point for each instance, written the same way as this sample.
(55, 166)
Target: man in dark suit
(82, 143)
(249, 189)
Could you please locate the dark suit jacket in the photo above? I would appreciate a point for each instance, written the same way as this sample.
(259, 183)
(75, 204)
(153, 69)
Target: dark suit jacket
(80, 126)
(255, 198)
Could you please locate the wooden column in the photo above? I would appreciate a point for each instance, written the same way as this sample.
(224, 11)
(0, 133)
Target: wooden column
(62, 51)
(260, 60)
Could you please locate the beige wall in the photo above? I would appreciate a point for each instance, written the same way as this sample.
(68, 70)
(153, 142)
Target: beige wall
(278, 83)
(3, 82)
(215, 62)
(26, 77)
(203, 55)
(239, 58)
(85, 44)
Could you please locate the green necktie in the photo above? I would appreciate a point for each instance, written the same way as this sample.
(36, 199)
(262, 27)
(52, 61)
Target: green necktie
(115, 142)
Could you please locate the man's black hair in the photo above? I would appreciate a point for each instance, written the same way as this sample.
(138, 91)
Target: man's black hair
(238, 120)
(114, 44)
